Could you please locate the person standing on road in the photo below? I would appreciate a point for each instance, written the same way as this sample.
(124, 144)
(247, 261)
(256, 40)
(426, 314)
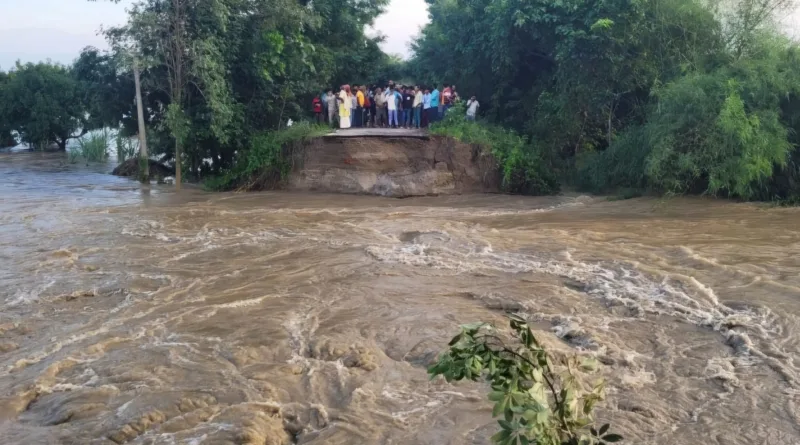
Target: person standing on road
(380, 108)
(367, 106)
(353, 106)
(317, 106)
(392, 105)
(325, 105)
(332, 106)
(373, 116)
(433, 114)
(345, 105)
(360, 99)
(426, 108)
(408, 107)
(418, 102)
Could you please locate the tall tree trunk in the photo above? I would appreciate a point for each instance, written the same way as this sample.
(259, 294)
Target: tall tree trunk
(144, 159)
(177, 165)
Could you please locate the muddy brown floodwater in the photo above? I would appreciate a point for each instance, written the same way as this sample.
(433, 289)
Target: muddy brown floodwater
(147, 317)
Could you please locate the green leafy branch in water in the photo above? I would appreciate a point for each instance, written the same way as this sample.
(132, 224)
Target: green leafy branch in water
(538, 404)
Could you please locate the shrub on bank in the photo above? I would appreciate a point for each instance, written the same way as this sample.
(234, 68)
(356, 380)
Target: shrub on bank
(268, 161)
(523, 168)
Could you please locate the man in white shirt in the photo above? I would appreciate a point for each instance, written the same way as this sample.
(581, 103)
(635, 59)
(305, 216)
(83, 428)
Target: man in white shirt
(418, 102)
(472, 108)
(391, 103)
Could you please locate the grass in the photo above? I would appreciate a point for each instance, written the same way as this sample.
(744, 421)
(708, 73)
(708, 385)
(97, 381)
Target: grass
(268, 162)
(93, 147)
(523, 168)
(126, 147)
(73, 156)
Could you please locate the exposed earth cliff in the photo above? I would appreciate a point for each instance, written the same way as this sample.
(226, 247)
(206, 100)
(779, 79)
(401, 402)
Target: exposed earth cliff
(393, 166)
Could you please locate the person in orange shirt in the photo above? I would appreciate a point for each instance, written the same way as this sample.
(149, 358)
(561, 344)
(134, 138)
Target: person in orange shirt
(359, 117)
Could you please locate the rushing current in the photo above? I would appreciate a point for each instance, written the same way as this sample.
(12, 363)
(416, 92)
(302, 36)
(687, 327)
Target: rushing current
(144, 316)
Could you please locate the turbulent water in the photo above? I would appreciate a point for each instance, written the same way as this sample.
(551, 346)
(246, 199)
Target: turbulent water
(149, 317)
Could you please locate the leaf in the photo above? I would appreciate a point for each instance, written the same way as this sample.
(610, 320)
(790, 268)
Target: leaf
(500, 436)
(612, 438)
(499, 407)
(496, 396)
(589, 365)
(603, 429)
(455, 340)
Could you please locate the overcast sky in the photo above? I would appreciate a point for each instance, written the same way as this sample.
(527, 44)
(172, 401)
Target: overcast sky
(34, 30)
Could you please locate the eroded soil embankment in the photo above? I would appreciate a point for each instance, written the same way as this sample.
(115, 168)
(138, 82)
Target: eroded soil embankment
(396, 167)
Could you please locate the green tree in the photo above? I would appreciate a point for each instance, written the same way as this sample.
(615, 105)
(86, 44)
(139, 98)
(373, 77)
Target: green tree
(44, 104)
(6, 137)
(683, 96)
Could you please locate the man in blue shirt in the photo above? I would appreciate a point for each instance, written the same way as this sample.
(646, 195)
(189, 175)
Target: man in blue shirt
(426, 105)
(433, 111)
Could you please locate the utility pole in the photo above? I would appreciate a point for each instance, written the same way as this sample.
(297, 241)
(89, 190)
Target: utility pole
(144, 159)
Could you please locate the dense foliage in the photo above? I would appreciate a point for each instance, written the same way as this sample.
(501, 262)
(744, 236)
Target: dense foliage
(268, 161)
(42, 103)
(539, 401)
(683, 96)
(523, 168)
(216, 75)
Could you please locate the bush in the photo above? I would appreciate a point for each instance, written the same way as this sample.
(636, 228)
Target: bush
(94, 146)
(704, 138)
(621, 166)
(523, 168)
(538, 404)
(126, 147)
(727, 131)
(268, 162)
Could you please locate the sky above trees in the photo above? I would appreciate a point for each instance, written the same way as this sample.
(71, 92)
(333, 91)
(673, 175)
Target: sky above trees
(37, 30)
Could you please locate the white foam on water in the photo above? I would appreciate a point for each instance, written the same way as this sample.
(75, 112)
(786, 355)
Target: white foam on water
(618, 283)
(25, 297)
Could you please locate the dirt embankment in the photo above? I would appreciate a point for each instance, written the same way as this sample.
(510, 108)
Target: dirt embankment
(130, 168)
(395, 167)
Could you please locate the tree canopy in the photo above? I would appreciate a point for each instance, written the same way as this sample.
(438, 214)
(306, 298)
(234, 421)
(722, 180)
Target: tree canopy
(42, 103)
(672, 95)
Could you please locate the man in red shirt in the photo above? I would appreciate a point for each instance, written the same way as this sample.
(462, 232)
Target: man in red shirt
(317, 105)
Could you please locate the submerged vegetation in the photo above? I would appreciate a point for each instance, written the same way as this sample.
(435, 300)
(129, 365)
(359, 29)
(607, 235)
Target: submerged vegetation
(93, 147)
(538, 400)
(126, 147)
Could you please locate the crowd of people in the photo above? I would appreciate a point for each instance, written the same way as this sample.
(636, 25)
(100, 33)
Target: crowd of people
(391, 106)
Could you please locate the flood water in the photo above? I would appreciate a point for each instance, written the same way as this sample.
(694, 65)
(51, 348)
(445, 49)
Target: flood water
(149, 317)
